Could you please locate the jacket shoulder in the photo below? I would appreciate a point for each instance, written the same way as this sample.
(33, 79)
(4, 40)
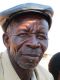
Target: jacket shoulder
(45, 73)
(1, 68)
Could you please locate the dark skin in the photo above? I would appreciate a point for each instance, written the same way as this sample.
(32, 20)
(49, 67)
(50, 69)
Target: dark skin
(26, 42)
(58, 76)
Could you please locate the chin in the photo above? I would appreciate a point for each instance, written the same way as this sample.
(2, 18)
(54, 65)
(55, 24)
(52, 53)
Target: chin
(27, 65)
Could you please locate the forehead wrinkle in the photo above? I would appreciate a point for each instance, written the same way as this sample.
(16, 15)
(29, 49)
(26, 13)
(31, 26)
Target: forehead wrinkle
(26, 24)
(34, 24)
(42, 24)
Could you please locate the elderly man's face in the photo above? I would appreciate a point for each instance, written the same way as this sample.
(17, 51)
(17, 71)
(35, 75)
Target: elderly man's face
(28, 41)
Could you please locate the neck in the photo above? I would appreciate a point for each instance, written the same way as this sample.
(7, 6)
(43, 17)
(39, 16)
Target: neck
(24, 74)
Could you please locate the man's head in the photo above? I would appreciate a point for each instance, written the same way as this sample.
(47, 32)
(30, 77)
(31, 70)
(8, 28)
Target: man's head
(54, 66)
(26, 34)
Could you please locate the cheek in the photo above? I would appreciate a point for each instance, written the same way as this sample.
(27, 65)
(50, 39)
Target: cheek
(16, 40)
(13, 46)
(44, 45)
(15, 43)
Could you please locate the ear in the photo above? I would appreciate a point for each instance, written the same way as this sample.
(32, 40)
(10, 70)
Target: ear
(6, 40)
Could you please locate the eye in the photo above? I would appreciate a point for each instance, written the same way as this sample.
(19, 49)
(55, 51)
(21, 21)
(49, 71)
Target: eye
(22, 35)
(42, 36)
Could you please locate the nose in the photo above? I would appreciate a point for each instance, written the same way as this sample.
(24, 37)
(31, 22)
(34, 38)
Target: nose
(33, 43)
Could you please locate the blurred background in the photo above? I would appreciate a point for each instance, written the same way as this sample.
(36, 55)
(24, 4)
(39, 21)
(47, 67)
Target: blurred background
(54, 33)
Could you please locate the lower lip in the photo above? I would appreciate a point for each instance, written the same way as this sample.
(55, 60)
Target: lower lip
(30, 55)
(31, 59)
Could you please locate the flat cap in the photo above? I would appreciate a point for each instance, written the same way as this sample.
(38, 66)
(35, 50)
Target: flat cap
(44, 10)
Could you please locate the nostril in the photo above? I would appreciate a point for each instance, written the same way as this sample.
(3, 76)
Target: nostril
(33, 45)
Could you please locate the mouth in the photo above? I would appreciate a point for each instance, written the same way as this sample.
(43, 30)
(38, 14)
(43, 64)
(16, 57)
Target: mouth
(31, 55)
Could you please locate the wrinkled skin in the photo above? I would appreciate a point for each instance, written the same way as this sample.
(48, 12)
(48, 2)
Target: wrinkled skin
(27, 42)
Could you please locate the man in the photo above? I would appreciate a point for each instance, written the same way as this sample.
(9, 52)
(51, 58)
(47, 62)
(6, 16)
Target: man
(54, 66)
(25, 36)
